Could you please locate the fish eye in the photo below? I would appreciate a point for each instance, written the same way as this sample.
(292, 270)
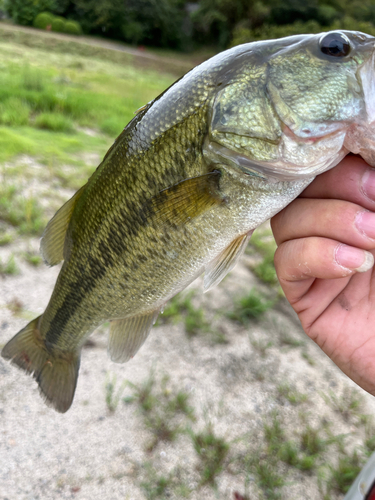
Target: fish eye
(335, 44)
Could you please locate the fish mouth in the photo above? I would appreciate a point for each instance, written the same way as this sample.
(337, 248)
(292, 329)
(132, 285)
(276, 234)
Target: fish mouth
(295, 157)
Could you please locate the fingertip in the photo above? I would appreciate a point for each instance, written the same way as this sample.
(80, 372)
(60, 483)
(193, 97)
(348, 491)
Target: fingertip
(353, 259)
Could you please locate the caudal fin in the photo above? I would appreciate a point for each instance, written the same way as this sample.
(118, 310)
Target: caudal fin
(55, 374)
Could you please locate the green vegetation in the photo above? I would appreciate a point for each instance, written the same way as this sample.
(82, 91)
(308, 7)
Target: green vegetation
(176, 24)
(56, 110)
(212, 452)
(162, 407)
(252, 306)
(288, 393)
(9, 267)
(263, 243)
(180, 308)
(348, 404)
(112, 393)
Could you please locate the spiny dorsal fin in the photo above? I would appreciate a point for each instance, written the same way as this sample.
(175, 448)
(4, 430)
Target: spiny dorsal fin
(218, 268)
(184, 201)
(52, 243)
(127, 335)
(55, 374)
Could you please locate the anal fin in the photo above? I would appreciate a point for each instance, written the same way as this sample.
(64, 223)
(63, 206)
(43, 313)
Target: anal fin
(127, 335)
(53, 238)
(218, 268)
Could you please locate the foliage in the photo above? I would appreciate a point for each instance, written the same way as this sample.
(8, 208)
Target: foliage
(183, 25)
(25, 11)
(43, 20)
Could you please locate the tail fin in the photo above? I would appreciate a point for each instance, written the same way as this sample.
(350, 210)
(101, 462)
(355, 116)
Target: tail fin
(55, 374)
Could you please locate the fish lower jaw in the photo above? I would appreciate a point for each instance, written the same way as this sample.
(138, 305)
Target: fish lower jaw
(296, 158)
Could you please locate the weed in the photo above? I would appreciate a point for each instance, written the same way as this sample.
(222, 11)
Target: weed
(348, 404)
(161, 486)
(252, 306)
(160, 408)
(343, 475)
(33, 258)
(56, 122)
(269, 479)
(6, 238)
(265, 271)
(274, 434)
(10, 267)
(261, 346)
(262, 240)
(212, 452)
(24, 213)
(290, 394)
(112, 396)
(154, 486)
(308, 358)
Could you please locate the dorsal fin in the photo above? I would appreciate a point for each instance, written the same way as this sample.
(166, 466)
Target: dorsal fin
(218, 268)
(127, 335)
(52, 242)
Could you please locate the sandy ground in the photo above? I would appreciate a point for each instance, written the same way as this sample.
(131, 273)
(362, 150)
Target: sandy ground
(91, 453)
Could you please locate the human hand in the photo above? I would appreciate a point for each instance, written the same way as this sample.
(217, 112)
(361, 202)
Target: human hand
(324, 262)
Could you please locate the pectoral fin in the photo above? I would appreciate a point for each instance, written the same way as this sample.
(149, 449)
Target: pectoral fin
(52, 242)
(186, 200)
(127, 335)
(225, 261)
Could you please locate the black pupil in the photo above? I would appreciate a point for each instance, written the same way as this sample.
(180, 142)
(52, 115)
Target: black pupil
(335, 45)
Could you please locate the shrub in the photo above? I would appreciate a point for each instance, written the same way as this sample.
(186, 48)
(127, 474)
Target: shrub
(25, 11)
(43, 20)
(58, 24)
(73, 28)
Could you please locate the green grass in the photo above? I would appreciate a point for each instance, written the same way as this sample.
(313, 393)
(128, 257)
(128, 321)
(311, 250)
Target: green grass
(113, 392)
(289, 393)
(262, 241)
(181, 309)
(348, 404)
(9, 267)
(162, 407)
(250, 307)
(212, 452)
(19, 211)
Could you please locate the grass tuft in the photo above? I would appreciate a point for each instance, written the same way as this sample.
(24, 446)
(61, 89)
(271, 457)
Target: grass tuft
(252, 306)
(212, 452)
(56, 122)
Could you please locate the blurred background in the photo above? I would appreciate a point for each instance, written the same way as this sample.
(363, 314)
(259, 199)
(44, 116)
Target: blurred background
(227, 399)
(185, 26)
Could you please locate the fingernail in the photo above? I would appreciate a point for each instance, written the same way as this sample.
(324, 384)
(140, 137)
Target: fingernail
(368, 183)
(354, 258)
(365, 222)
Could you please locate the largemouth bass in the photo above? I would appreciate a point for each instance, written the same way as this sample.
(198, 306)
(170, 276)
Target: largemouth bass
(184, 185)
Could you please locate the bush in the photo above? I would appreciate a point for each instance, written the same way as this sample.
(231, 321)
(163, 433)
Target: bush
(58, 24)
(43, 20)
(73, 28)
(25, 11)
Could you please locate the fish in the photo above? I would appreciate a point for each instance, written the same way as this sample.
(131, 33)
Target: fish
(182, 188)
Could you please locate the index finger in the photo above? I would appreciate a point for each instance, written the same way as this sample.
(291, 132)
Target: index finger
(351, 180)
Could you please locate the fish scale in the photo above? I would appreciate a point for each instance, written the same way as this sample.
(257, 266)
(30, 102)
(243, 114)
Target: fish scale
(184, 185)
